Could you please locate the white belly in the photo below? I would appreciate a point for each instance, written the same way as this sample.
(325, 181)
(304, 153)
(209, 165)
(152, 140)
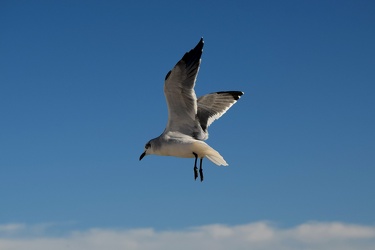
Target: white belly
(184, 150)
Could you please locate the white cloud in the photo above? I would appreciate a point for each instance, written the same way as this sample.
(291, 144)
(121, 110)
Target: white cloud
(253, 236)
(11, 228)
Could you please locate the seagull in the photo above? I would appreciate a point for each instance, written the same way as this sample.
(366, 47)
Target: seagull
(189, 117)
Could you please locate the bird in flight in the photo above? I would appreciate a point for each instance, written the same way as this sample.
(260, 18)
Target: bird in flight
(189, 117)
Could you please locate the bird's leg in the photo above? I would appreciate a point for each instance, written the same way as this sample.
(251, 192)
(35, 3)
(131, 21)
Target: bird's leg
(195, 166)
(201, 170)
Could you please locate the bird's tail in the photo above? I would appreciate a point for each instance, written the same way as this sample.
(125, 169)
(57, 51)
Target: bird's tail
(206, 151)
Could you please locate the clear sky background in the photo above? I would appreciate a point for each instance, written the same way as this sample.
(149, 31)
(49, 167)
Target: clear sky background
(81, 92)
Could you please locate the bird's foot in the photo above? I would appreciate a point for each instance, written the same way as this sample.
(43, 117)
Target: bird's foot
(201, 174)
(195, 173)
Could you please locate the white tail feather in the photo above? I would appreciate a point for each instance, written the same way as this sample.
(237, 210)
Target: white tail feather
(204, 150)
(217, 159)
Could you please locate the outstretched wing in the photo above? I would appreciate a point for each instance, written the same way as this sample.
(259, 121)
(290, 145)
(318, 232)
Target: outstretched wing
(180, 95)
(212, 106)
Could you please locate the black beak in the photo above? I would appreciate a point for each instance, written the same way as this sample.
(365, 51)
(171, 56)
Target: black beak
(142, 155)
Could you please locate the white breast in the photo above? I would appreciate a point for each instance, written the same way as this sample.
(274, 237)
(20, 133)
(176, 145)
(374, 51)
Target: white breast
(184, 150)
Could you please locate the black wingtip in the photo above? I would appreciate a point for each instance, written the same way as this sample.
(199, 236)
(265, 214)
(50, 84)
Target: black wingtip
(235, 94)
(194, 55)
(200, 44)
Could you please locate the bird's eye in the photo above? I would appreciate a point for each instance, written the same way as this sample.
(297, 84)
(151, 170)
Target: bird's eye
(147, 145)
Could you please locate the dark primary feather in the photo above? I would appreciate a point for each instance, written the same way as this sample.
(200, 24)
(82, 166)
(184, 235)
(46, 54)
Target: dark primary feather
(188, 66)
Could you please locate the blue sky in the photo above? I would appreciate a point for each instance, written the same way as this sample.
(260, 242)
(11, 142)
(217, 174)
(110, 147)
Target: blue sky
(81, 92)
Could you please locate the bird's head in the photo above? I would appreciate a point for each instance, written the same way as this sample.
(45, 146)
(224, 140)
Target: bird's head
(148, 150)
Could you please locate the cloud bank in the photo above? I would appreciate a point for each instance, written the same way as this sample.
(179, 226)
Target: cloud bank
(253, 236)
